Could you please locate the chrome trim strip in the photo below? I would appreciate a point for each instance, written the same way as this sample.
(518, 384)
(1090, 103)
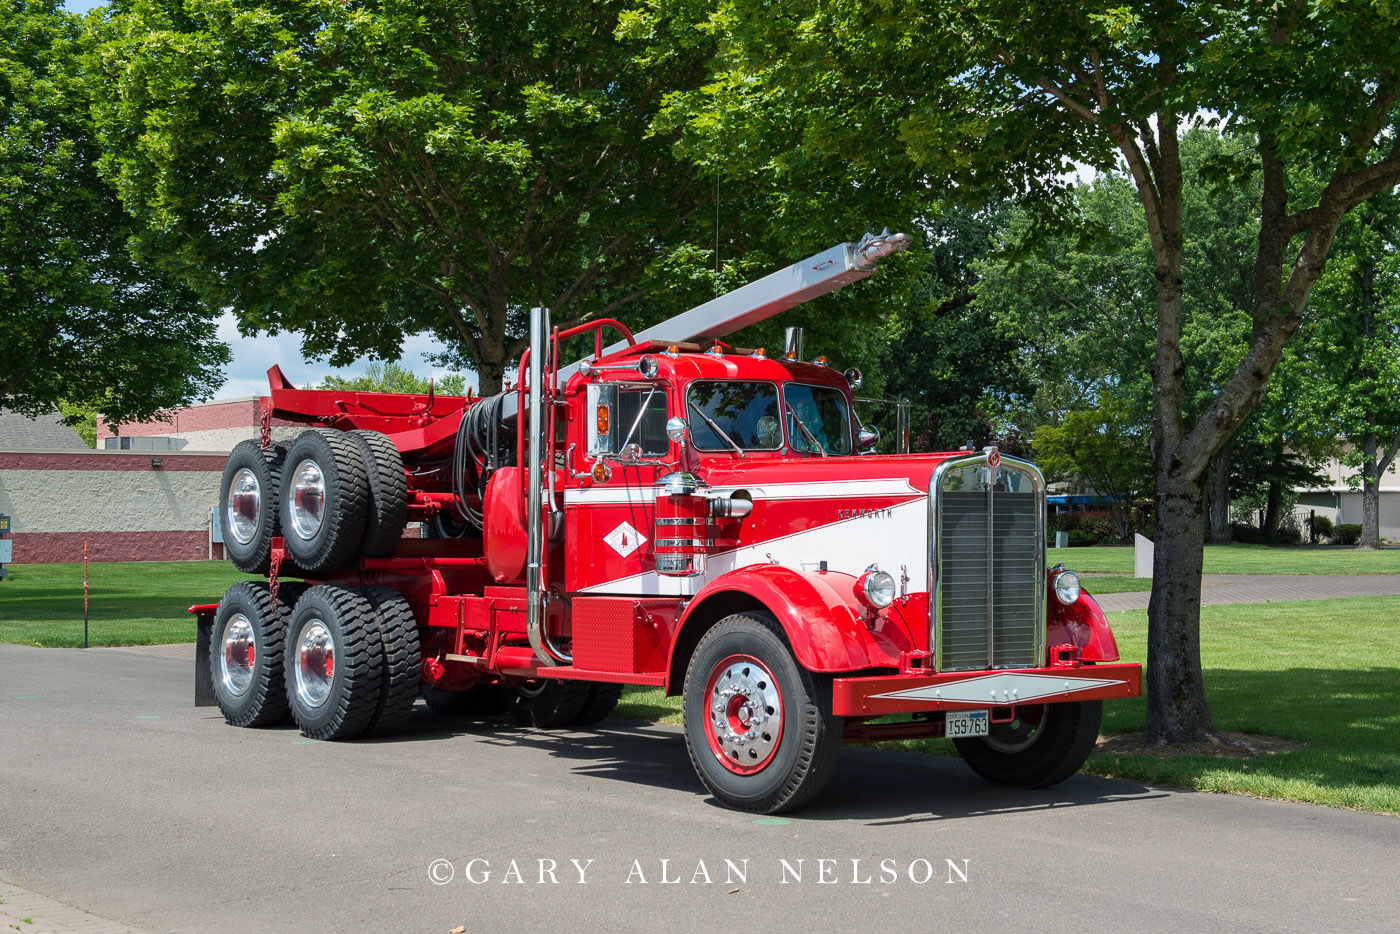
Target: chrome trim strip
(935, 560)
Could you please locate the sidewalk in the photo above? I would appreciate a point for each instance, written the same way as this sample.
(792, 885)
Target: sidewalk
(32, 913)
(1267, 588)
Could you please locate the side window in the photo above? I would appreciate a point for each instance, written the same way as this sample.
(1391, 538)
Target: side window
(817, 419)
(620, 415)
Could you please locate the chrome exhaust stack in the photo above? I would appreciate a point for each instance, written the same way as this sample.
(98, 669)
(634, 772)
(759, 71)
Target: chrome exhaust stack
(536, 597)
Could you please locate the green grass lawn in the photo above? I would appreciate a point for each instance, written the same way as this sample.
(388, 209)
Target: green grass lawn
(1116, 584)
(1321, 672)
(140, 603)
(1241, 559)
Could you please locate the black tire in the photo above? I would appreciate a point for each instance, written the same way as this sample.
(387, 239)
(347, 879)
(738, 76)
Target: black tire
(484, 700)
(262, 467)
(251, 695)
(443, 525)
(387, 509)
(334, 541)
(549, 702)
(1036, 755)
(343, 703)
(783, 770)
(602, 698)
(398, 634)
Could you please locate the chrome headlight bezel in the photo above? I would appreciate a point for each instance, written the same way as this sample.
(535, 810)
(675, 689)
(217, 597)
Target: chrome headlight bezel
(876, 588)
(1067, 587)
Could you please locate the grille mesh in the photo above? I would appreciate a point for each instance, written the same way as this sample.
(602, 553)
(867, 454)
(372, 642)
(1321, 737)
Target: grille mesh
(988, 598)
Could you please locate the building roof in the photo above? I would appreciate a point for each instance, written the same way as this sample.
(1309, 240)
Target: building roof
(45, 433)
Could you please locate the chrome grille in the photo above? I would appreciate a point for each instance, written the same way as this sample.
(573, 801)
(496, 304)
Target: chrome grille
(988, 564)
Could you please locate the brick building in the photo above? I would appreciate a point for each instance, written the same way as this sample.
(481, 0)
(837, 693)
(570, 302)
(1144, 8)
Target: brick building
(214, 426)
(146, 497)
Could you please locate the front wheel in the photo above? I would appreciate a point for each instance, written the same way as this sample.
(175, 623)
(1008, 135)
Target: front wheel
(1043, 746)
(758, 726)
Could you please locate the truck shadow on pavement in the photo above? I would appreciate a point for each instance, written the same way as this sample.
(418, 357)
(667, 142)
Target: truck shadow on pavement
(878, 787)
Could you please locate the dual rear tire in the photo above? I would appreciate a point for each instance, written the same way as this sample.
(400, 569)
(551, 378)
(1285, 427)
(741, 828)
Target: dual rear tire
(333, 497)
(341, 661)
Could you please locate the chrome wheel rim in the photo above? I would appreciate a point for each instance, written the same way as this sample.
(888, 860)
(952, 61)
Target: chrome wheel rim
(237, 655)
(308, 499)
(1016, 736)
(315, 670)
(244, 506)
(744, 714)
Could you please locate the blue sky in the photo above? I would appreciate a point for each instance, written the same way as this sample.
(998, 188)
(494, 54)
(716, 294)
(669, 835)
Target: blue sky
(80, 6)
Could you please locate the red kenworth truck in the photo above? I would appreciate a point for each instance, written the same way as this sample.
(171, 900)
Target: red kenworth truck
(671, 511)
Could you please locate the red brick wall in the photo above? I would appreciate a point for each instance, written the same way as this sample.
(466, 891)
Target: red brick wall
(244, 413)
(114, 460)
(61, 547)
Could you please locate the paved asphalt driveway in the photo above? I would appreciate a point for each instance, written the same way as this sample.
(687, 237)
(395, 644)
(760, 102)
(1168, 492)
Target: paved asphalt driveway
(119, 797)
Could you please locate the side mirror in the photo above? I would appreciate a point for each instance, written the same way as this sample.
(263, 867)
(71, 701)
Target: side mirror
(678, 429)
(866, 439)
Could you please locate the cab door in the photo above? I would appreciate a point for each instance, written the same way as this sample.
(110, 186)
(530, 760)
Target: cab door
(617, 451)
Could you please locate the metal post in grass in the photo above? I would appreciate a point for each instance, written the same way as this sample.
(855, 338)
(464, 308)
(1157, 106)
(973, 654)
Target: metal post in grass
(85, 595)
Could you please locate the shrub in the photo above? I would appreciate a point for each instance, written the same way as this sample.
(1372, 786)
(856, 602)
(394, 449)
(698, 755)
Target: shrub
(1288, 535)
(1245, 534)
(1322, 526)
(1345, 533)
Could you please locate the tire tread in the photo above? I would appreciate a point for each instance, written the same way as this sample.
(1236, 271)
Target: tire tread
(386, 512)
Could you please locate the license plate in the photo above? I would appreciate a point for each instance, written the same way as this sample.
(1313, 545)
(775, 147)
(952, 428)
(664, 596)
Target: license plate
(962, 723)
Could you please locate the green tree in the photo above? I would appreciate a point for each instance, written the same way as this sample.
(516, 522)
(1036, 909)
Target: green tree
(1008, 96)
(1103, 450)
(360, 171)
(83, 418)
(394, 377)
(82, 322)
(1361, 290)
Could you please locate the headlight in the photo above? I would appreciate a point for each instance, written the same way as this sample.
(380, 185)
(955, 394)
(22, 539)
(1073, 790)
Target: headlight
(875, 588)
(1067, 587)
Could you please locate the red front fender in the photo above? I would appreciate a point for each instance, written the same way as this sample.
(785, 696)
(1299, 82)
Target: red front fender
(818, 611)
(1083, 624)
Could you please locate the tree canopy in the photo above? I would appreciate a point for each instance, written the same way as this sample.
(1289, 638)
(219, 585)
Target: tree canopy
(358, 172)
(83, 322)
(395, 377)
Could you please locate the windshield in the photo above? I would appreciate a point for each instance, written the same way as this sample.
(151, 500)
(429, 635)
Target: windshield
(818, 420)
(747, 413)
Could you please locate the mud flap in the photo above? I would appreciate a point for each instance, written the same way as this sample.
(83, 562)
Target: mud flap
(203, 678)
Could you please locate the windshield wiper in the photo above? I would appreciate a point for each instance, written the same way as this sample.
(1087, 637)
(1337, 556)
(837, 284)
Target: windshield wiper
(811, 438)
(718, 430)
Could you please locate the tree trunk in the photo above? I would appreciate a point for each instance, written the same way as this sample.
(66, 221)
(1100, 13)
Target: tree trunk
(1218, 496)
(490, 375)
(1370, 496)
(1176, 699)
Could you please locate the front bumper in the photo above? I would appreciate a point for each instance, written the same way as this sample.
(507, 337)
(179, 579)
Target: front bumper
(963, 690)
